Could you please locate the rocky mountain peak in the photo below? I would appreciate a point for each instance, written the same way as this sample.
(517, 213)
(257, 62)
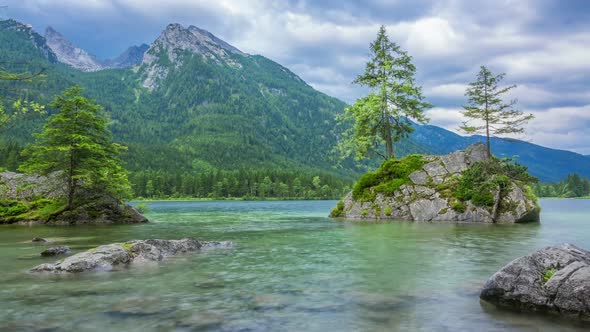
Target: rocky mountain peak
(70, 54)
(175, 41)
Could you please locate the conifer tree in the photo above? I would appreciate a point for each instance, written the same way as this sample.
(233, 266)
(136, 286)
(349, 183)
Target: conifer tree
(384, 116)
(77, 143)
(485, 105)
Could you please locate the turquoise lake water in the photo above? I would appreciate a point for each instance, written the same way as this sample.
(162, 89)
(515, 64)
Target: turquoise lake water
(291, 269)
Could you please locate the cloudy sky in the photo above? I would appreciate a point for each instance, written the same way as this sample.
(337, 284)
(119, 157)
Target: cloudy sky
(543, 46)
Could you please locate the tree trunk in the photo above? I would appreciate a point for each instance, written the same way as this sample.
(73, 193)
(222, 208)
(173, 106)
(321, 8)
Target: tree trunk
(71, 183)
(388, 139)
(487, 118)
(488, 140)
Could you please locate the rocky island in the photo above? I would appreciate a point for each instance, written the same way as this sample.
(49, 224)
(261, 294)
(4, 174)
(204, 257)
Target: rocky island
(34, 199)
(554, 279)
(464, 186)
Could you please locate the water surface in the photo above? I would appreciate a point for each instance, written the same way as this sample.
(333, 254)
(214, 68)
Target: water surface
(292, 269)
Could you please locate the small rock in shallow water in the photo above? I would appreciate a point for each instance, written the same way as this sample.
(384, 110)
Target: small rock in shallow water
(54, 251)
(39, 239)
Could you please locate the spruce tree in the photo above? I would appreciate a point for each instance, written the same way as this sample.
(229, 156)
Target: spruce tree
(485, 105)
(384, 116)
(77, 143)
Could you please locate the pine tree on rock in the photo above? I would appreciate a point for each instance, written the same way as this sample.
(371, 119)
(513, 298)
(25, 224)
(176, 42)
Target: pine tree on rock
(77, 143)
(384, 116)
(486, 107)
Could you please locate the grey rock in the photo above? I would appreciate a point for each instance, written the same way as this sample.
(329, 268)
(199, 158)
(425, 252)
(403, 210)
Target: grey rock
(521, 284)
(476, 152)
(419, 177)
(57, 250)
(426, 209)
(455, 162)
(435, 168)
(17, 186)
(110, 256)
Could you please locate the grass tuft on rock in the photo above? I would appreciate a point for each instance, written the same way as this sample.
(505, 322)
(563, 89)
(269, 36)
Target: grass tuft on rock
(483, 179)
(390, 176)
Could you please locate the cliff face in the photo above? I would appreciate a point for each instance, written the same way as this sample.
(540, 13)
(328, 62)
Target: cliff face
(462, 186)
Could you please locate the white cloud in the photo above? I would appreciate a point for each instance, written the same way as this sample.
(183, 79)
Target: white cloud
(450, 90)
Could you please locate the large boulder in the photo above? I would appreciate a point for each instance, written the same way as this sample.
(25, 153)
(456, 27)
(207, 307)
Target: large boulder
(110, 256)
(426, 195)
(554, 279)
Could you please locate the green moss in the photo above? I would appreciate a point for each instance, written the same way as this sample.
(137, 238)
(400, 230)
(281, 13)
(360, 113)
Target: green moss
(376, 209)
(142, 208)
(443, 211)
(338, 211)
(388, 211)
(548, 274)
(364, 212)
(40, 209)
(387, 179)
(127, 246)
(459, 207)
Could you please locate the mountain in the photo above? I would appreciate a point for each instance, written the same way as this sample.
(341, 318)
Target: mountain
(131, 57)
(193, 104)
(70, 54)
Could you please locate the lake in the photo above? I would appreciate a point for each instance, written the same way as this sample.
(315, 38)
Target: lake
(291, 269)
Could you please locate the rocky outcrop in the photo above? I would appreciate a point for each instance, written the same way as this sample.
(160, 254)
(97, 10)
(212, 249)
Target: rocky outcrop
(553, 279)
(70, 54)
(426, 195)
(29, 193)
(112, 256)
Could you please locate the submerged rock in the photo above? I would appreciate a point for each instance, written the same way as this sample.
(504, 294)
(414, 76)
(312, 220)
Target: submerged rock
(554, 279)
(107, 257)
(57, 250)
(423, 188)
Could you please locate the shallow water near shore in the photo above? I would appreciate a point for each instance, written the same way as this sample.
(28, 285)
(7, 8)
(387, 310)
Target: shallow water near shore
(291, 269)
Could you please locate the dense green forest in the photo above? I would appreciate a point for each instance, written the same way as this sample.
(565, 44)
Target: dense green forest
(573, 186)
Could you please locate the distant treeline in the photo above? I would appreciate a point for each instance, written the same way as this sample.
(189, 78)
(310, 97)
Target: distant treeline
(285, 184)
(573, 186)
